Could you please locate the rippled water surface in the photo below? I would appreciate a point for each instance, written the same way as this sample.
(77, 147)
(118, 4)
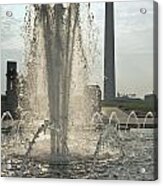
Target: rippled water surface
(138, 162)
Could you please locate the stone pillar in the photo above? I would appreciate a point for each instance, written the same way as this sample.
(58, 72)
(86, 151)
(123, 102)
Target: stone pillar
(11, 93)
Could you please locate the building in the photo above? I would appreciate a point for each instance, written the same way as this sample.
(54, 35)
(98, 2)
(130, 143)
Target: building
(9, 102)
(151, 100)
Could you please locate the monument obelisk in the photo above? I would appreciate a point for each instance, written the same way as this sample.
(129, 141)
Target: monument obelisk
(109, 66)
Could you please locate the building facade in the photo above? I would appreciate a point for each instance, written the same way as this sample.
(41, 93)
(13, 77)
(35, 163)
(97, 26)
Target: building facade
(9, 102)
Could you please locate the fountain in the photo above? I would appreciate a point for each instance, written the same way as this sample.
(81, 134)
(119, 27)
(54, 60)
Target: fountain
(149, 114)
(109, 135)
(114, 114)
(132, 113)
(6, 126)
(97, 119)
(57, 58)
(7, 114)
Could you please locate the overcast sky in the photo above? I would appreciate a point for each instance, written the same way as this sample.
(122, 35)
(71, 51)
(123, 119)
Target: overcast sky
(133, 37)
(134, 47)
(12, 43)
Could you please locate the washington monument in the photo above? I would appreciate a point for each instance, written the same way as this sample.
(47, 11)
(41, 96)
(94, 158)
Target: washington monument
(109, 66)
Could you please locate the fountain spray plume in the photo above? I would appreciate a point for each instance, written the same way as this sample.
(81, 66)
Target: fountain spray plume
(59, 25)
(56, 61)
